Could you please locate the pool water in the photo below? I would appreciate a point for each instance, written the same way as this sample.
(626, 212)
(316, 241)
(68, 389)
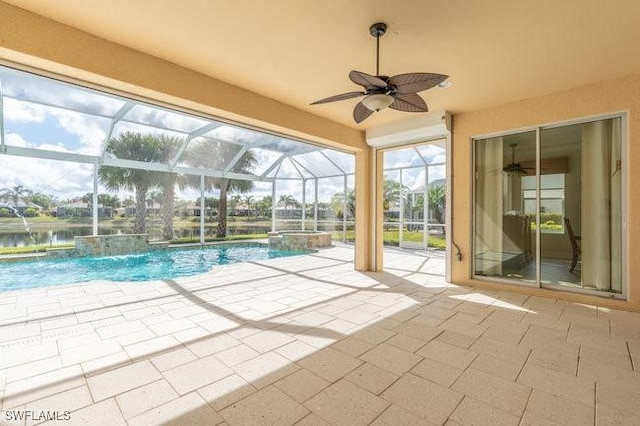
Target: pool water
(153, 265)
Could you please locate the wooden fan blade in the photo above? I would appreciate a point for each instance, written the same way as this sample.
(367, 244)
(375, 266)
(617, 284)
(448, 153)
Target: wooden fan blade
(416, 81)
(361, 112)
(410, 102)
(366, 80)
(340, 97)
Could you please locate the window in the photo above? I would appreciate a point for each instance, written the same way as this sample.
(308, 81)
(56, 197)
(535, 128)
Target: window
(551, 202)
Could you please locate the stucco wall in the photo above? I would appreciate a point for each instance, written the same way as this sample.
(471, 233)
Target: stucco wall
(622, 95)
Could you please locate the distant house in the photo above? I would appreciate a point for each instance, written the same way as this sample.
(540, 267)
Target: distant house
(81, 209)
(324, 211)
(241, 209)
(413, 195)
(193, 210)
(152, 210)
(23, 209)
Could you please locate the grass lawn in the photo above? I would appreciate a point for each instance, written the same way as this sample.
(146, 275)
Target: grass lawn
(392, 238)
(239, 229)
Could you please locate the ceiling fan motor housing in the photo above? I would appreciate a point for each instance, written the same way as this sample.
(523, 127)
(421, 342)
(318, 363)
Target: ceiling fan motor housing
(378, 29)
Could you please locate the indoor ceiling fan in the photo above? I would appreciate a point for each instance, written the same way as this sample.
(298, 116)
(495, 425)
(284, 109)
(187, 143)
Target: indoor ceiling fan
(398, 92)
(513, 167)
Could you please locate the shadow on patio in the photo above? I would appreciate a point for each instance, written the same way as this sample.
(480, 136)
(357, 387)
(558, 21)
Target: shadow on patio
(284, 341)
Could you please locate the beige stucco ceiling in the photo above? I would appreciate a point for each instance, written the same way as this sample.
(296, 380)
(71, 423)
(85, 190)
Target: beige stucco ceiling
(297, 51)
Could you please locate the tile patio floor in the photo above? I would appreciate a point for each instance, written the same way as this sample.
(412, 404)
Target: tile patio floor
(309, 341)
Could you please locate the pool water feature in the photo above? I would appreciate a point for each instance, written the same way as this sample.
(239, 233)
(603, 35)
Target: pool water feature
(153, 265)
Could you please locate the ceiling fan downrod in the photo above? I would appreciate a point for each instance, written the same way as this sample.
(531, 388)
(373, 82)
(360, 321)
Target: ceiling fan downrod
(377, 30)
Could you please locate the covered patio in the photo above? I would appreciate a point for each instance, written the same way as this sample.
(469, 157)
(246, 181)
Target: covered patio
(358, 334)
(286, 342)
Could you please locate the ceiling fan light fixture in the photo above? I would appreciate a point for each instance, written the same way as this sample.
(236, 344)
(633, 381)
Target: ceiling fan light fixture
(399, 92)
(378, 101)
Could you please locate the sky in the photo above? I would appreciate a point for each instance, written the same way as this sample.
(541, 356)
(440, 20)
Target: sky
(41, 113)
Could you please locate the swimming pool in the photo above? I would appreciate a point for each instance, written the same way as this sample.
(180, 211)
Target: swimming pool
(153, 265)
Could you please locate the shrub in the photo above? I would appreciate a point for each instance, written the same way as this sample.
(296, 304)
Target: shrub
(30, 212)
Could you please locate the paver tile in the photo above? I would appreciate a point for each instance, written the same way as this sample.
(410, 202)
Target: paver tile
(344, 403)
(267, 407)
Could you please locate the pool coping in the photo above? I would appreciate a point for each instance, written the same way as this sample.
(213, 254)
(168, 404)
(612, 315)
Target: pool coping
(21, 257)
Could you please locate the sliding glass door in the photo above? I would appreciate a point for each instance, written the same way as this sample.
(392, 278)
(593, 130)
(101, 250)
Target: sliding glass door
(548, 206)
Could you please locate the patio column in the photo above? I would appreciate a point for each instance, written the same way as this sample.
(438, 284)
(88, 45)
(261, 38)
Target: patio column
(95, 199)
(366, 206)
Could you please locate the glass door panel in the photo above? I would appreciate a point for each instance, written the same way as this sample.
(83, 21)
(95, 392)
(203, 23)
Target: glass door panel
(580, 206)
(504, 240)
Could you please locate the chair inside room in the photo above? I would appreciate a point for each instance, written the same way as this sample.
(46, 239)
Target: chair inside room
(575, 244)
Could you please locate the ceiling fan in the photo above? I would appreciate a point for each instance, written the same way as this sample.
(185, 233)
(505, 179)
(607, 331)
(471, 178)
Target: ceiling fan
(398, 92)
(513, 167)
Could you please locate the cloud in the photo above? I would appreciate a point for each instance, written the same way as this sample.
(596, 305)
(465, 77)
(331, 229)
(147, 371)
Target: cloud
(34, 89)
(60, 178)
(417, 181)
(14, 139)
(431, 153)
(265, 160)
(168, 119)
(20, 112)
(91, 131)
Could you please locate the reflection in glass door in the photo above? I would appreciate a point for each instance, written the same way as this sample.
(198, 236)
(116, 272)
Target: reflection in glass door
(567, 199)
(504, 241)
(580, 206)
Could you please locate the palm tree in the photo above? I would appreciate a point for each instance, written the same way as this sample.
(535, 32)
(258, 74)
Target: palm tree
(15, 194)
(264, 206)
(88, 198)
(133, 146)
(43, 200)
(107, 200)
(167, 182)
(212, 205)
(214, 154)
(128, 202)
(337, 203)
(248, 201)
(233, 203)
(154, 197)
(391, 193)
(437, 195)
(287, 201)
(416, 204)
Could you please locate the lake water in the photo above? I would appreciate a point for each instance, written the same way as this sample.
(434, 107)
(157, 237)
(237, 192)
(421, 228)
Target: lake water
(61, 236)
(65, 236)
